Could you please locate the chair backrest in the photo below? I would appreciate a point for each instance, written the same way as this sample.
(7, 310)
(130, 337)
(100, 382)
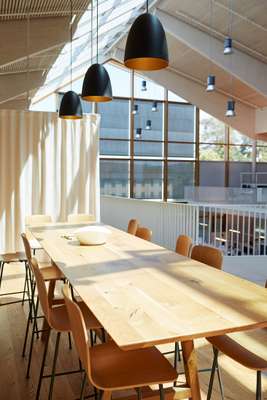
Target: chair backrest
(41, 288)
(183, 245)
(144, 233)
(27, 247)
(208, 255)
(77, 218)
(37, 219)
(266, 284)
(78, 329)
(132, 226)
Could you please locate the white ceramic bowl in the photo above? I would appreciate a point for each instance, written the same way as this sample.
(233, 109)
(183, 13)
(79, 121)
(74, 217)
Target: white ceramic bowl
(92, 235)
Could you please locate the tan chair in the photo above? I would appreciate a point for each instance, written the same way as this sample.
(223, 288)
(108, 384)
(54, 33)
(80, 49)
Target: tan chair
(57, 318)
(36, 219)
(144, 233)
(239, 353)
(132, 226)
(79, 218)
(49, 273)
(183, 245)
(109, 368)
(208, 255)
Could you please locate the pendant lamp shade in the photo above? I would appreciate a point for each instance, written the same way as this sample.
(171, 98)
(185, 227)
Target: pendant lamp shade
(70, 106)
(96, 84)
(146, 47)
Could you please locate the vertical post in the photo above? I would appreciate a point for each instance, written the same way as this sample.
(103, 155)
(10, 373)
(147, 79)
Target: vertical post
(226, 155)
(165, 144)
(197, 180)
(131, 123)
(254, 160)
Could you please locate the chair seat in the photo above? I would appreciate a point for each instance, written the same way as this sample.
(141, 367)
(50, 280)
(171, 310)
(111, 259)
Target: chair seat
(60, 320)
(13, 257)
(234, 348)
(115, 368)
(51, 273)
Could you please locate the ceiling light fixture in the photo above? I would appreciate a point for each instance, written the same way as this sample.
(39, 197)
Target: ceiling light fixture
(143, 87)
(230, 109)
(148, 125)
(154, 106)
(211, 77)
(135, 109)
(70, 106)
(96, 84)
(146, 47)
(138, 133)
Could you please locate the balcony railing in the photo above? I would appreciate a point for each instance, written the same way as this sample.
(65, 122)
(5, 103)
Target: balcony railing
(235, 229)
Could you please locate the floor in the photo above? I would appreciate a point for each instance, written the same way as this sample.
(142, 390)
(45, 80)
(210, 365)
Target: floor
(239, 383)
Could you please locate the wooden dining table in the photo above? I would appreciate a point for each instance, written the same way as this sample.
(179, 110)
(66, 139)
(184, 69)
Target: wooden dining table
(145, 295)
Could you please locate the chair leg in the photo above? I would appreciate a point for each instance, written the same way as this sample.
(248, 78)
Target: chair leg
(34, 326)
(1, 272)
(26, 287)
(54, 367)
(83, 386)
(258, 387)
(42, 366)
(139, 393)
(213, 370)
(161, 392)
(69, 336)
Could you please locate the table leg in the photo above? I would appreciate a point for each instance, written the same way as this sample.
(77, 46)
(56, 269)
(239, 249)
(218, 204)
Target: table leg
(191, 372)
(51, 290)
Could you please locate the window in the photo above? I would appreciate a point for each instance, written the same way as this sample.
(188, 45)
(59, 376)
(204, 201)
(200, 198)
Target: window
(180, 175)
(181, 123)
(148, 179)
(261, 151)
(211, 130)
(114, 177)
(211, 152)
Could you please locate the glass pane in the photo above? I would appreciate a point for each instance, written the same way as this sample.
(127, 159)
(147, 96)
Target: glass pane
(144, 113)
(114, 177)
(149, 90)
(211, 173)
(181, 123)
(211, 130)
(240, 153)
(142, 148)
(148, 177)
(114, 119)
(261, 154)
(120, 80)
(235, 171)
(180, 175)
(114, 147)
(212, 152)
(261, 143)
(181, 150)
(238, 138)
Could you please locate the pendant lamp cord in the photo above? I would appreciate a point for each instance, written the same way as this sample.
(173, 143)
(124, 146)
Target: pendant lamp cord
(97, 31)
(71, 11)
(210, 38)
(28, 55)
(92, 37)
(230, 28)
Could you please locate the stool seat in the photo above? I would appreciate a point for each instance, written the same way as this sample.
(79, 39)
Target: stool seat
(18, 256)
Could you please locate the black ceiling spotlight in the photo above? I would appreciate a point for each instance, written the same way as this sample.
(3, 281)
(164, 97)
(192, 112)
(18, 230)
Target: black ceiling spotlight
(96, 84)
(146, 47)
(135, 109)
(154, 106)
(70, 106)
(143, 87)
(138, 133)
(230, 111)
(148, 125)
(228, 46)
(211, 83)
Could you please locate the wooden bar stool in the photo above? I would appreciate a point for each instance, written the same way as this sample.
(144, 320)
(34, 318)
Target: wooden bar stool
(50, 274)
(7, 259)
(183, 245)
(79, 218)
(58, 320)
(132, 226)
(144, 233)
(109, 368)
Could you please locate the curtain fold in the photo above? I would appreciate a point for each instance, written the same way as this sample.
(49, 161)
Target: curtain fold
(47, 166)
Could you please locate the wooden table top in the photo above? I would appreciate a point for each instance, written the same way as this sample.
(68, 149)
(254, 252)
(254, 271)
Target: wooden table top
(145, 295)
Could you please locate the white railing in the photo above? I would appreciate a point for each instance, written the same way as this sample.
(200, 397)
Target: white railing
(236, 229)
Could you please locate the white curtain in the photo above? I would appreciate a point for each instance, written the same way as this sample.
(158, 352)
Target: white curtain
(47, 166)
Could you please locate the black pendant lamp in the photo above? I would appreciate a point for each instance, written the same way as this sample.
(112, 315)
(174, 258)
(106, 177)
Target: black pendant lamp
(70, 106)
(96, 83)
(146, 47)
